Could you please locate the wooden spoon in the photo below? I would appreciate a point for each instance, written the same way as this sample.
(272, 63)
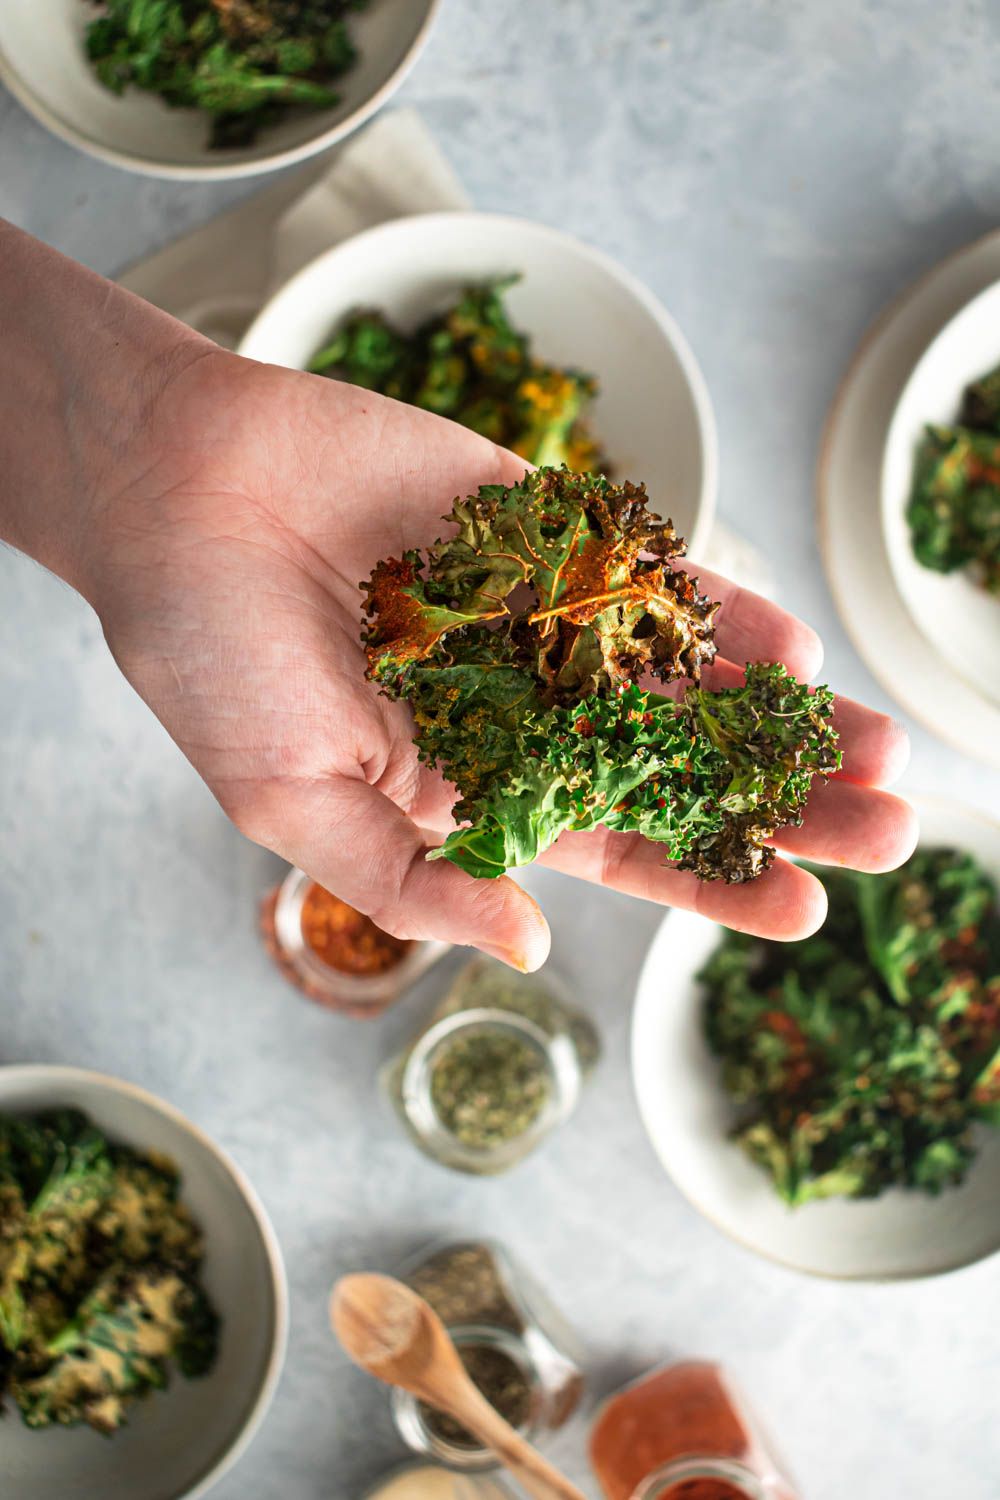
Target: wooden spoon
(390, 1331)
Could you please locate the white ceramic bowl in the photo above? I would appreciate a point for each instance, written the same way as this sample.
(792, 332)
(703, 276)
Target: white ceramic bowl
(688, 1117)
(653, 416)
(179, 1442)
(42, 62)
(959, 619)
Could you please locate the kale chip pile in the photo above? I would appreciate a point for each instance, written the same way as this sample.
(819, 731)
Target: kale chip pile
(471, 364)
(954, 508)
(242, 62)
(861, 1057)
(98, 1274)
(524, 645)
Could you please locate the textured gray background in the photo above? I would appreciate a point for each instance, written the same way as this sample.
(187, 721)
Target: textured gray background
(775, 170)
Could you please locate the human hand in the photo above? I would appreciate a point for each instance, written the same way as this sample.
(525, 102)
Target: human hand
(227, 579)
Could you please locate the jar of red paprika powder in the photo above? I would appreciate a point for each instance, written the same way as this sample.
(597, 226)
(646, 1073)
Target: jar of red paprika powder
(683, 1433)
(335, 954)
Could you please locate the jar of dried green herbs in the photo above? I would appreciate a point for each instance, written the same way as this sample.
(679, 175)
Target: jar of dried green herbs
(516, 1347)
(498, 1065)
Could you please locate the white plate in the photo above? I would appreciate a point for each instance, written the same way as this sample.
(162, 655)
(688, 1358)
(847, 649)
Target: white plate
(960, 620)
(653, 415)
(849, 478)
(42, 62)
(688, 1116)
(181, 1441)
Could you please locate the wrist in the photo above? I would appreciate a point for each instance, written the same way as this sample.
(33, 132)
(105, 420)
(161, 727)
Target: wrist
(125, 464)
(83, 366)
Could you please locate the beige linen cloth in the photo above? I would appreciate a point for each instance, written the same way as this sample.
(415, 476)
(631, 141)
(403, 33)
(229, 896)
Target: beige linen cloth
(217, 278)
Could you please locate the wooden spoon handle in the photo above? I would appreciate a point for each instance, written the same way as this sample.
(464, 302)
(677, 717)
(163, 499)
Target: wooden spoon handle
(534, 1473)
(390, 1331)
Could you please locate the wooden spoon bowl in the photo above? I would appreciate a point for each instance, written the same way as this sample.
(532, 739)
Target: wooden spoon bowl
(389, 1330)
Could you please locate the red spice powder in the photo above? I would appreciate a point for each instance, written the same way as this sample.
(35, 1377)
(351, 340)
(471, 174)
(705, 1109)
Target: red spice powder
(702, 1489)
(679, 1412)
(344, 938)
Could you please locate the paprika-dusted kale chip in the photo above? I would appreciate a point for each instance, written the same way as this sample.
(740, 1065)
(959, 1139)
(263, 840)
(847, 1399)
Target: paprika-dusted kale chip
(862, 1057)
(954, 506)
(954, 509)
(524, 644)
(604, 603)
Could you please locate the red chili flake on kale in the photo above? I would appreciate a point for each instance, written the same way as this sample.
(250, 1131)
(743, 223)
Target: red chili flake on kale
(563, 592)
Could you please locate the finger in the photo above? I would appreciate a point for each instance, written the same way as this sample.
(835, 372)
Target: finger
(876, 748)
(359, 845)
(857, 826)
(784, 903)
(751, 628)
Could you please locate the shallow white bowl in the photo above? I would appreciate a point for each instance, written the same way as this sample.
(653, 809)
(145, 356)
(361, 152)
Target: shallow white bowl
(179, 1442)
(959, 619)
(653, 416)
(688, 1117)
(42, 62)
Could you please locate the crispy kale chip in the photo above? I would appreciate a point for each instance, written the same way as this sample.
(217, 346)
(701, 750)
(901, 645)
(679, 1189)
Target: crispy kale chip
(860, 1058)
(954, 507)
(603, 601)
(929, 924)
(98, 1274)
(521, 644)
(241, 61)
(118, 1346)
(56, 1175)
(981, 403)
(471, 364)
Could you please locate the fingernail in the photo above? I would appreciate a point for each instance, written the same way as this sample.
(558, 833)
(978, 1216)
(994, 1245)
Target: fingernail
(510, 956)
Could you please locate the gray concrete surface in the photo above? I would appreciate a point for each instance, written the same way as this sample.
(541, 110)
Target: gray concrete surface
(776, 170)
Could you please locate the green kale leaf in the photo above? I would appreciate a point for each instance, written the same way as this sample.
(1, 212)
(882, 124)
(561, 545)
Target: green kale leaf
(522, 644)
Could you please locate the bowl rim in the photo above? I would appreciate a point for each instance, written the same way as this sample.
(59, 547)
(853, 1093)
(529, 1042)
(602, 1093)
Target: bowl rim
(222, 171)
(50, 1076)
(940, 805)
(893, 499)
(669, 328)
(923, 360)
(846, 476)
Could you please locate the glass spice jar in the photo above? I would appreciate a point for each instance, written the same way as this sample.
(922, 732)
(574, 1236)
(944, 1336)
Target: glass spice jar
(335, 954)
(499, 1064)
(516, 1347)
(683, 1433)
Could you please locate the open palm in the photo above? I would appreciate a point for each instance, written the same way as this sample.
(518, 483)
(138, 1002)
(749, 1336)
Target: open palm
(227, 583)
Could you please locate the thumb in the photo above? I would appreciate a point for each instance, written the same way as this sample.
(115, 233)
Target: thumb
(358, 844)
